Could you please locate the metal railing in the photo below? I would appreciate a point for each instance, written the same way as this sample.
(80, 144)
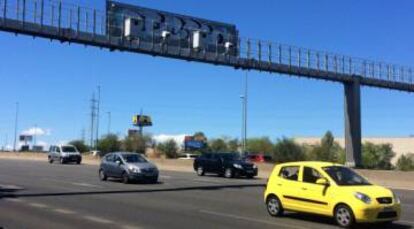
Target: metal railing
(77, 19)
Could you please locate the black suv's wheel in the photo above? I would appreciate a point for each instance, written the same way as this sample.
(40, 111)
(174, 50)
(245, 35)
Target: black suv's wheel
(102, 175)
(274, 206)
(344, 216)
(78, 162)
(50, 160)
(125, 178)
(200, 171)
(228, 173)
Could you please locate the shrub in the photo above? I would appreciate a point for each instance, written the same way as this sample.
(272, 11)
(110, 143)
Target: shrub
(287, 150)
(80, 145)
(136, 143)
(169, 148)
(406, 162)
(327, 150)
(218, 145)
(108, 144)
(377, 156)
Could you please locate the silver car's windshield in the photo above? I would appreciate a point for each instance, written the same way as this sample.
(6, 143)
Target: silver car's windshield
(133, 158)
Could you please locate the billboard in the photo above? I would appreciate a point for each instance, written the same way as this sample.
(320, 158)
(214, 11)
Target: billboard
(190, 143)
(25, 138)
(134, 23)
(141, 120)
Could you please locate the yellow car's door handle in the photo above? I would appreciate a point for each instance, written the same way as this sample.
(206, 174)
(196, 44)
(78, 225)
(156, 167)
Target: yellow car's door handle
(279, 184)
(303, 188)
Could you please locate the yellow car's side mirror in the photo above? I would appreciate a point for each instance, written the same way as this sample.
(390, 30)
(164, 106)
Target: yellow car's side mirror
(322, 181)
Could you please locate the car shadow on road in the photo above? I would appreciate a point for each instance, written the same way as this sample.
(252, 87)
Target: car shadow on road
(153, 190)
(330, 221)
(7, 190)
(233, 178)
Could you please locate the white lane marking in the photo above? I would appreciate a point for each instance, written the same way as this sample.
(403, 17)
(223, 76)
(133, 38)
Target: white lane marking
(10, 186)
(406, 222)
(14, 200)
(206, 181)
(251, 219)
(38, 205)
(130, 227)
(86, 185)
(407, 205)
(64, 211)
(400, 188)
(98, 219)
(165, 177)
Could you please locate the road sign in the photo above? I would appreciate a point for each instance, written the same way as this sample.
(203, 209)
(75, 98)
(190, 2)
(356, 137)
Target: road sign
(141, 120)
(142, 25)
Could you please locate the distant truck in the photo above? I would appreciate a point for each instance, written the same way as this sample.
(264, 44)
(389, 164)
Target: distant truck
(64, 154)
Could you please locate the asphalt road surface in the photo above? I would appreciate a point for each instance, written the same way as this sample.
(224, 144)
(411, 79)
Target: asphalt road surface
(36, 194)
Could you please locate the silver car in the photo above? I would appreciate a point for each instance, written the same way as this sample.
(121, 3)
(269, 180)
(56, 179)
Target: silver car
(128, 166)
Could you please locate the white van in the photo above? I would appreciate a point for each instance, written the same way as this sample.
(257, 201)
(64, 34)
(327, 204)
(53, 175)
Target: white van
(64, 154)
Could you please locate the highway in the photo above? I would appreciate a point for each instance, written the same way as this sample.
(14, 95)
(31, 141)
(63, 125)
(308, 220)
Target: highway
(35, 194)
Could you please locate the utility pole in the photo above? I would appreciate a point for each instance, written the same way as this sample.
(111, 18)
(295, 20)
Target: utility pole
(83, 135)
(93, 102)
(97, 116)
(244, 115)
(109, 122)
(6, 141)
(15, 126)
(34, 136)
(141, 129)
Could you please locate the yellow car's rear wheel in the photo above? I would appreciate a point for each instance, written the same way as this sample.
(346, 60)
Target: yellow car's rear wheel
(274, 206)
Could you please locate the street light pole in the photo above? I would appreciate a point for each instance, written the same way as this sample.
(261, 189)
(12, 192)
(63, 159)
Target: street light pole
(15, 126)
(244, 115)
(109, 122)
(97, 116)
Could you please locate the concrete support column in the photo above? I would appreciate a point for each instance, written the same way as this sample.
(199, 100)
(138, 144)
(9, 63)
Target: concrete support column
(353, 147)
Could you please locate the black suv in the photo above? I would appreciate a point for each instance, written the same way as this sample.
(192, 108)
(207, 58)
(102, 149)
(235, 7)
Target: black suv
(225, 164)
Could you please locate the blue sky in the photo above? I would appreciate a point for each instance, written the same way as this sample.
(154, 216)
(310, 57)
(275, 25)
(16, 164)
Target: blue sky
(53, 82)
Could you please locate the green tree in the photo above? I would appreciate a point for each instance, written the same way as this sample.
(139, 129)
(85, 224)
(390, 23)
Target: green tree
(259, 145)
(136, 143)
(286, 150)
(327, 150)
(377, 156)
(406, 162)
(218, 145)
(169, 148)
(233, 145)
(80, 145)
(200, 136)
(109, 143)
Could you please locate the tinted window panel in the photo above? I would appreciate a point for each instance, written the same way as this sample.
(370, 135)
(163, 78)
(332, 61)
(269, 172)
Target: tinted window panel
(290, 173)
(310, 175)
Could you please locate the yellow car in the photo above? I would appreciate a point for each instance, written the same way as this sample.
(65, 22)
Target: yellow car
(329, 189)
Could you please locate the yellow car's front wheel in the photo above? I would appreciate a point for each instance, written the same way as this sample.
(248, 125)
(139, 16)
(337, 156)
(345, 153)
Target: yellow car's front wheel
(344, 216)
(274, 206)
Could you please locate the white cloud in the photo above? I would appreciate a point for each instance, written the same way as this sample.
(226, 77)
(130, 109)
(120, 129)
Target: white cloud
(36, 131)
(179, 138)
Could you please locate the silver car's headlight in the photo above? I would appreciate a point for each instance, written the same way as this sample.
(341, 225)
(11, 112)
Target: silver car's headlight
(134, 169)
(396, 198)
(238, 166)
(364, 198)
